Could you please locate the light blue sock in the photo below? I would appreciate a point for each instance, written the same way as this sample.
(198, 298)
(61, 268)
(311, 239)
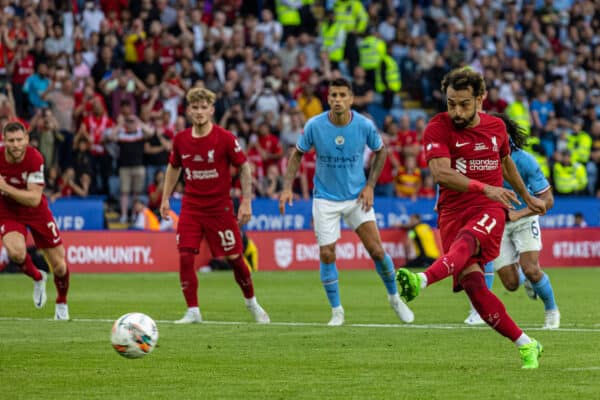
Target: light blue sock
(385, 269)
(489, 274)
(329, 279)
(543, 288)
(522, 276)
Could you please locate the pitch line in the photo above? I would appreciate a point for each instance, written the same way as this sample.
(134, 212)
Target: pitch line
(457, 326)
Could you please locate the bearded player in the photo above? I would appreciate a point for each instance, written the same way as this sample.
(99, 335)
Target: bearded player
(468, 154)
(22, 206)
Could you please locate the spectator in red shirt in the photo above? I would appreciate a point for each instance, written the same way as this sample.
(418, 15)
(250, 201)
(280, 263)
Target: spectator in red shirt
(267, 145)
(493, 102)
(95, 127)
(21, 67)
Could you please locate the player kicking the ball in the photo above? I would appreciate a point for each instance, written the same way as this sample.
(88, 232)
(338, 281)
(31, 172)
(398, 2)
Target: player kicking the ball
(23, 205)
(205, 153)
(468, 154)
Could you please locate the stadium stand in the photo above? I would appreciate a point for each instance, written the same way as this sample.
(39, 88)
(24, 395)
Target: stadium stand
(81, 74)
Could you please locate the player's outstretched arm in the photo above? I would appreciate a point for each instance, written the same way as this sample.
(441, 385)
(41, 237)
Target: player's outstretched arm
(446, 176)
(30, 197)
(286, 195)
(171, 177)
(511, 174)
(245, 208)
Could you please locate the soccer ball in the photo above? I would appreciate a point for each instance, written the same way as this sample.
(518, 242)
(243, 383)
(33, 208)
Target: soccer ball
(134, 335)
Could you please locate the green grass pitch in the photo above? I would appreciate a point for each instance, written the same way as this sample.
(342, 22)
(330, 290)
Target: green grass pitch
(373, 356)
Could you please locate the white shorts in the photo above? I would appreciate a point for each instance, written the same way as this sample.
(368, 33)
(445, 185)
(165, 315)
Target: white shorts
(327, 214)
(519, 237)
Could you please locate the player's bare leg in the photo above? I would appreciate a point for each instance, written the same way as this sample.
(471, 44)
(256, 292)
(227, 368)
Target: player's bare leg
(540, 283)
(56, 258)
(369, 235)
(16, 249)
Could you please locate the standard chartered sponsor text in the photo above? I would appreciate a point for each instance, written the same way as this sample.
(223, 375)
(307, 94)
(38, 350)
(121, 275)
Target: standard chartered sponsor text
(205, 174)
(109, 254)
(483, 165)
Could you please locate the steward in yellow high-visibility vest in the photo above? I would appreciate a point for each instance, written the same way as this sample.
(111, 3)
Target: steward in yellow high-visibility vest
(288, 15)
(353, 16)
(580, 145)
(519, 112)
(333, 39)
(371, 50)
(387, 80)
(569, 178)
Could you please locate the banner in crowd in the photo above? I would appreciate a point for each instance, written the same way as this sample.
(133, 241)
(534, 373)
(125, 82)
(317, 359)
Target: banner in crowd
(392, 212)
(88, 214)
(136, 251)
(74, 214)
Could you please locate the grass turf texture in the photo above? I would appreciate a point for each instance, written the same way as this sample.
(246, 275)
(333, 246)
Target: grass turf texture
(373, 357)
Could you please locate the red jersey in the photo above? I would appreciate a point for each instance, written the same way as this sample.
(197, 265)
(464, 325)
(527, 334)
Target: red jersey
(270, 143)
(96, 127)
(23, 69)
(29, 170)
(205, 163)
(474, 152)
(308, 166)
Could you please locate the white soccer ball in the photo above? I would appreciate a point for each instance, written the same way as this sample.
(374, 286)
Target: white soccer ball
(134, 335)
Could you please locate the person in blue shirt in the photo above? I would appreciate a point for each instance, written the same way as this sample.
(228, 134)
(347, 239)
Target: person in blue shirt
(518, 262)
(35, 86)
(341, 190)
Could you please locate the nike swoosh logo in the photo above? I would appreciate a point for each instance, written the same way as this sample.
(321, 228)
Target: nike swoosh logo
(461, 144)
(184, 156)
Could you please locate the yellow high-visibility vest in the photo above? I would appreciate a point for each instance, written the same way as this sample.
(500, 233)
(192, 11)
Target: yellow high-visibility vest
(570, 178)
(371, 50)
(287, 16)
(352, 15)
(392, 76)
(330, 34)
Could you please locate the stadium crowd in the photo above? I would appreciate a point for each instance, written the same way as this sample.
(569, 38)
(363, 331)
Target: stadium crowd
(101, 84)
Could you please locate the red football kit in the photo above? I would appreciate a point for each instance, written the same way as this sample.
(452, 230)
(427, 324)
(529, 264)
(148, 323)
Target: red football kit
(17, 217)
(477, 154)
(207, 208)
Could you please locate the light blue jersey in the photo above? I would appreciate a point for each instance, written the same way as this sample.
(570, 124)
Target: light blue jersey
(339, 173)
(531, 174)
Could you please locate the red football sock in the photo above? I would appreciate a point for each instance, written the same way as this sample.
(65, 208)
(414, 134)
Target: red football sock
(489, 307)
(30, 269)
(242, 276)
(62, 287)
(188, 278)
(456, 259)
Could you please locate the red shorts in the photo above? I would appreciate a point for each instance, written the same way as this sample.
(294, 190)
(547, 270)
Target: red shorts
(41, 224)
(221, 231)
(487, 225)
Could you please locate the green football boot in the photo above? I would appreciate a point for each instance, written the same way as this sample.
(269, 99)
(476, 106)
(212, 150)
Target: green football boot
(409, 283)
(530, 354)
